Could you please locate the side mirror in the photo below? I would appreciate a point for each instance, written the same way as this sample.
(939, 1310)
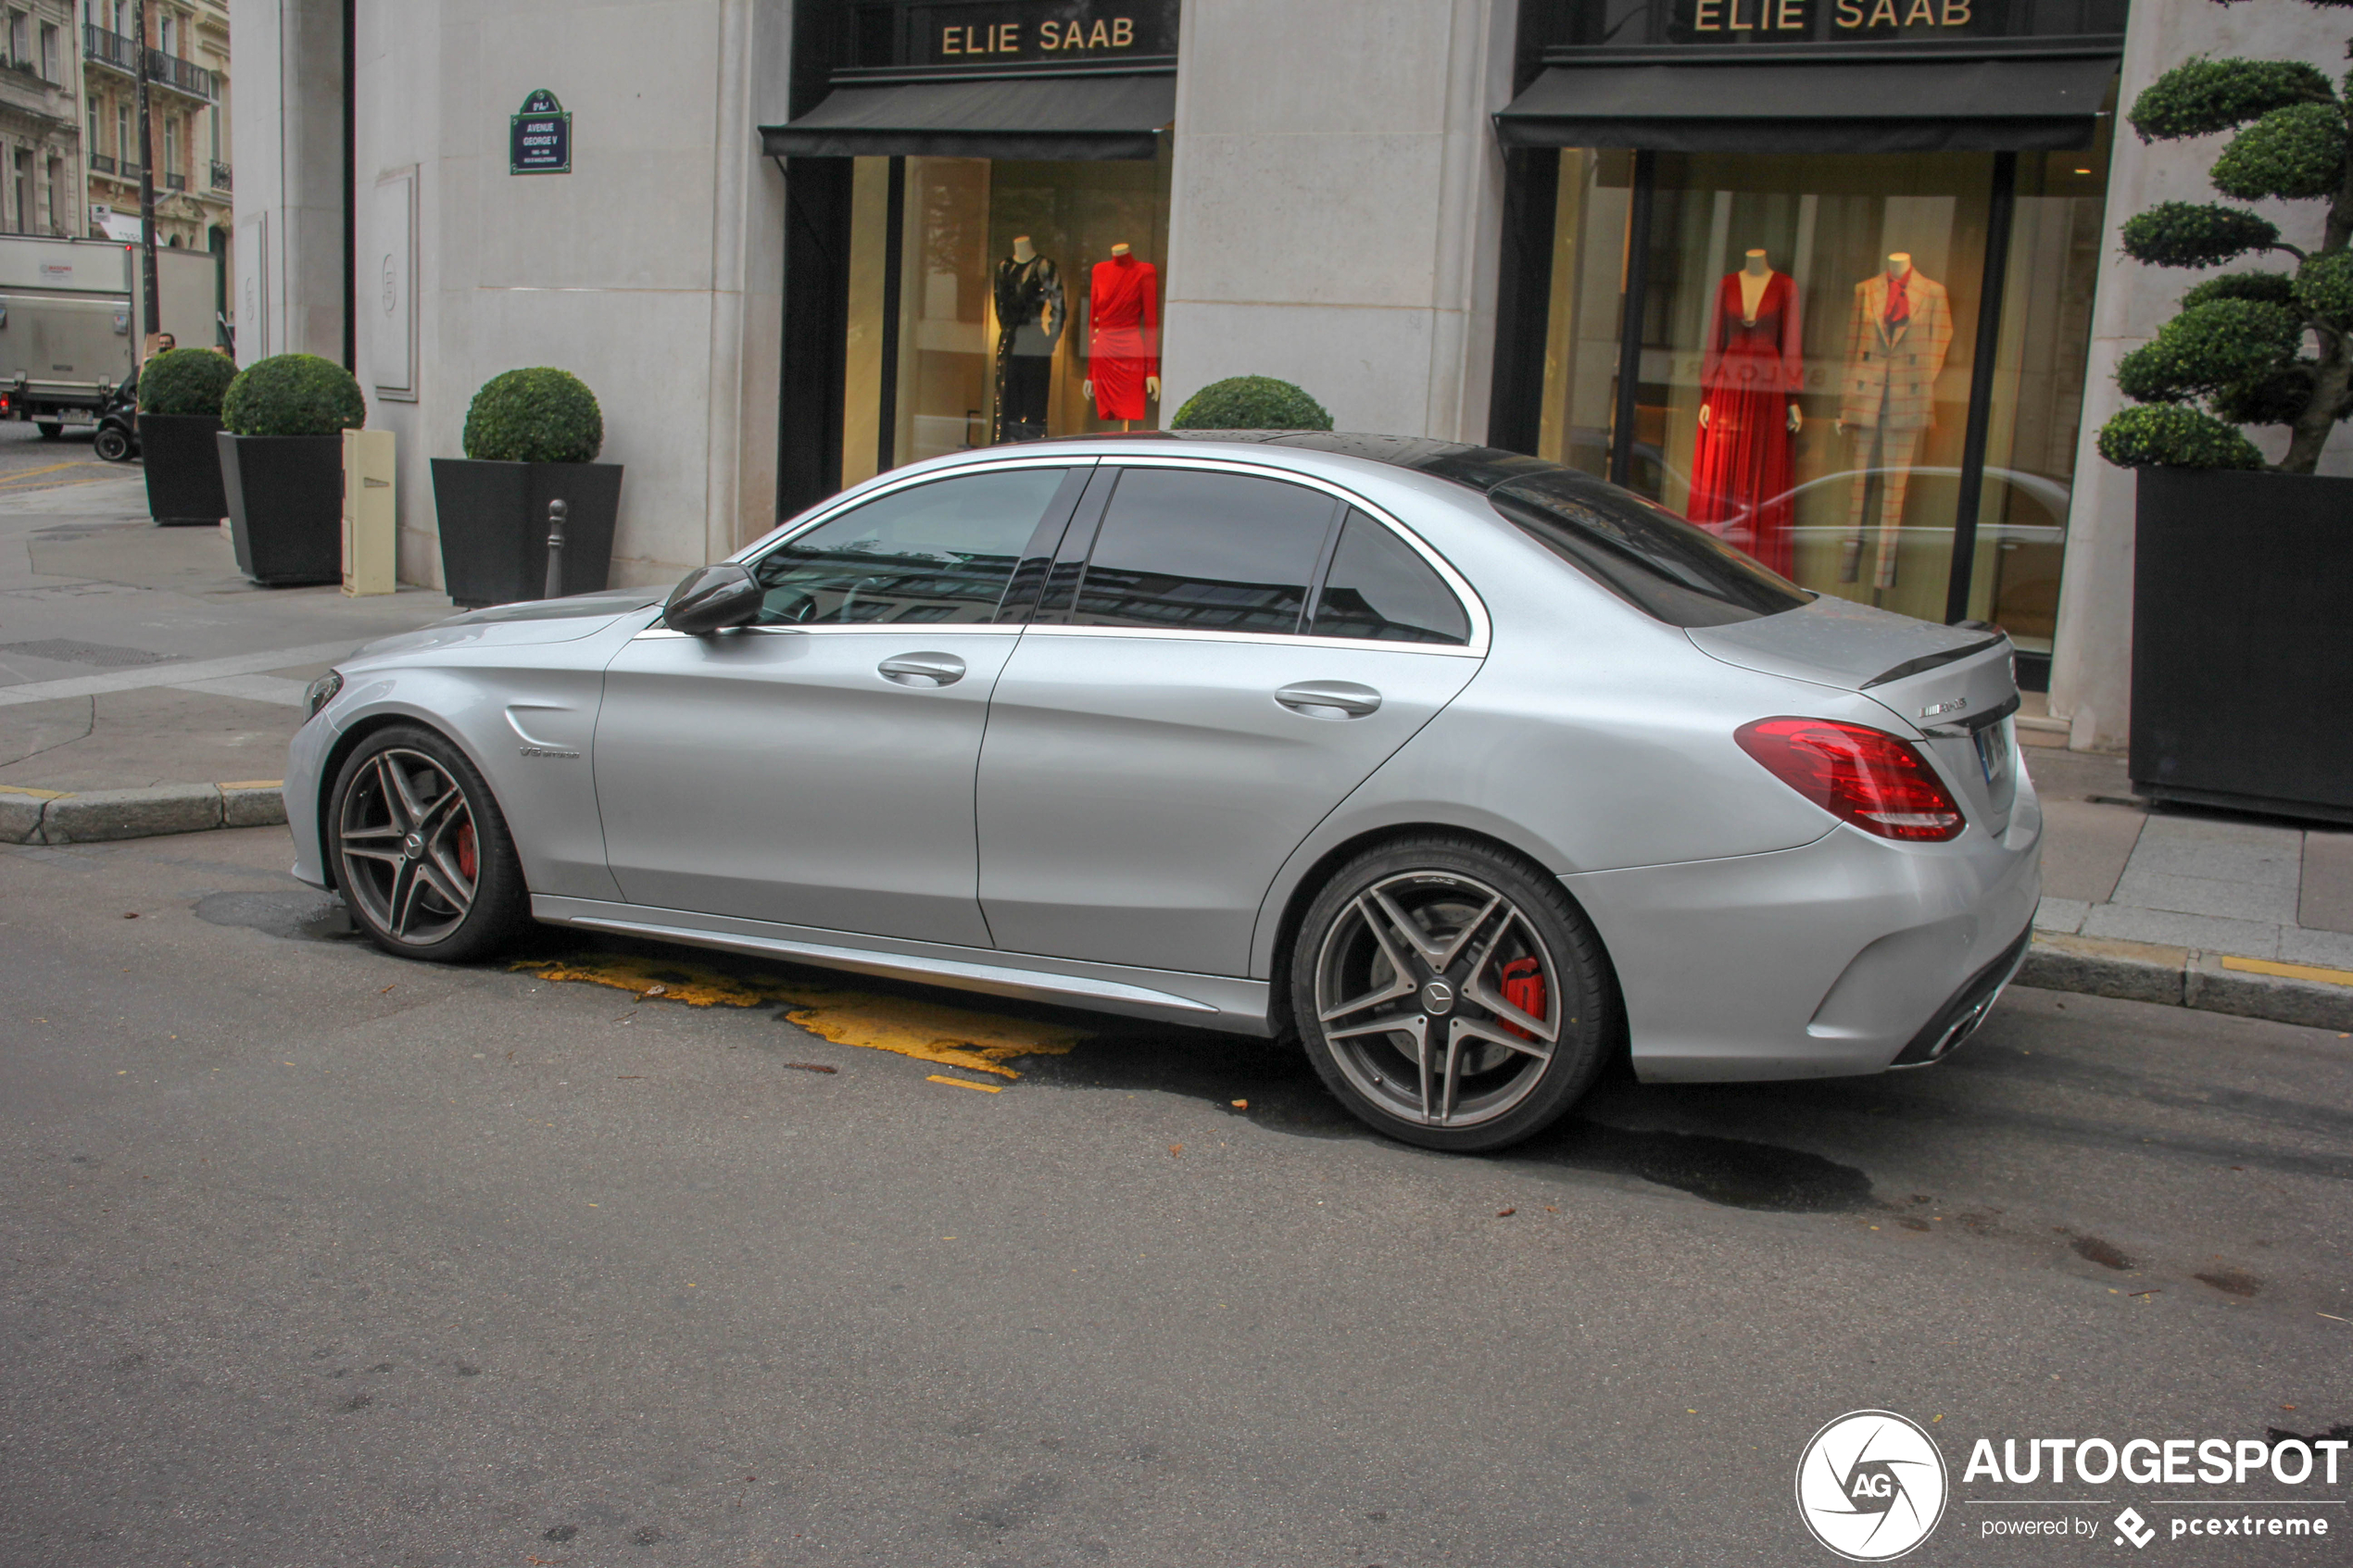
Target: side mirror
(713, 598)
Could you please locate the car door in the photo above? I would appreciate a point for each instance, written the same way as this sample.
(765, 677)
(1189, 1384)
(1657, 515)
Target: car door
(816, 768)
(1219, 657)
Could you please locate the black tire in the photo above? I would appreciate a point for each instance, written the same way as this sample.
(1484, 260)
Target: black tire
(1486, 1077)
(407, 819)
(50, 431)
(111, 445)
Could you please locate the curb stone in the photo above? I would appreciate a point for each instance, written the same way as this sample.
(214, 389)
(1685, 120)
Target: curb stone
(2099, 966)
(2145, 971)
(41, 816)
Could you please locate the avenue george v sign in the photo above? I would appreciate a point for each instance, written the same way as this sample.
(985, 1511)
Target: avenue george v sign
(540, 137)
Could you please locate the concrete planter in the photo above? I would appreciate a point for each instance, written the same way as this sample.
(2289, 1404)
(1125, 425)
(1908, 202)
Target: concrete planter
(493, 519)
(183, 469)
(285, 495)
(2242, 669)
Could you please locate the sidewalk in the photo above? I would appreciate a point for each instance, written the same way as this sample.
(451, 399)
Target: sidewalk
(133, 656)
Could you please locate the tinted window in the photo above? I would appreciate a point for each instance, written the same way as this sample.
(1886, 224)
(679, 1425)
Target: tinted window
(1207, 552)
(1643, 553)
(934, 553)
(1378, 587)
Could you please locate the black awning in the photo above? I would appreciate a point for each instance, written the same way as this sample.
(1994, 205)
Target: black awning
(1040, 117)
(1935, 104)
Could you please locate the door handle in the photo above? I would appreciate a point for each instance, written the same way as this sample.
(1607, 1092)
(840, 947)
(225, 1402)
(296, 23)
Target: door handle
(922, 669)
(1329, 699)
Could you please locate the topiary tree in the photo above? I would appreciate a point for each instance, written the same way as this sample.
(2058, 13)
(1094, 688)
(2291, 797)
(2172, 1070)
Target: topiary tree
(2239, 347)
(535, 415)
(292, 394)
(1251, 403)
(185, 381)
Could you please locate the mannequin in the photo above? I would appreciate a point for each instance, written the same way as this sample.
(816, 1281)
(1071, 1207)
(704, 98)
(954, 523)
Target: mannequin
(1031, 312)
(1750, 378)
(1896, 339)
(1123, 331)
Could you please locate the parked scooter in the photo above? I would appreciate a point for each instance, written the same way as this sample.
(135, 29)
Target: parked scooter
(117, 437)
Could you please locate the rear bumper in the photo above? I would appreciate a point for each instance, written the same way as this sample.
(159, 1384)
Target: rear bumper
(1836, 957)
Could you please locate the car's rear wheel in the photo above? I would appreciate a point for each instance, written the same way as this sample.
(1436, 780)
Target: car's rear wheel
(423, 856)
(1450, 996)
(111, 445)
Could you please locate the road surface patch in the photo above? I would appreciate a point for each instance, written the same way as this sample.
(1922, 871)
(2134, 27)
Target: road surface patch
(926, 1031)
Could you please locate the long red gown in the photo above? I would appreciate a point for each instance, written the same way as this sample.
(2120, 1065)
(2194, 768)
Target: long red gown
(1751, 372)
(1122, 334)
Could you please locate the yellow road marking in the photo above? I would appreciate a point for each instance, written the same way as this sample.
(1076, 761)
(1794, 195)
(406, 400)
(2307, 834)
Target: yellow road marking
(950, 1036)
(251, 783)
(964, 1083)
(52, 468)
(2291, 971)
(37, 794)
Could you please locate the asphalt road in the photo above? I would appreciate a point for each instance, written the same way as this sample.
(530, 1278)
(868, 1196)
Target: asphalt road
(313, 1256)
(27, 462)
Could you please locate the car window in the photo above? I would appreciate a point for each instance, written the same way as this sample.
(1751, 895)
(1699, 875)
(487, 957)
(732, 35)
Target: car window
(1643, 553)
(933, 553)
(1212, 552)
(1377, 587)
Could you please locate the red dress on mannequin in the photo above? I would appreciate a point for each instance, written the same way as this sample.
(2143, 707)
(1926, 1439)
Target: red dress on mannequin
(1122, 334)
(1749, 375)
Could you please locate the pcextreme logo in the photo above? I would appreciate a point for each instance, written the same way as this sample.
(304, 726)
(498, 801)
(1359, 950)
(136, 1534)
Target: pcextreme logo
(1871, 1485)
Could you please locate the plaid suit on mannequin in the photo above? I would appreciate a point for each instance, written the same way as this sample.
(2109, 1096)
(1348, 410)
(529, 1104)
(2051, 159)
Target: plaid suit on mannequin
(1896, 339)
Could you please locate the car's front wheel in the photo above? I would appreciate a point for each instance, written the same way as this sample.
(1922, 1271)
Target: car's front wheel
(425, 861)
(1450, 996)
(112, 444)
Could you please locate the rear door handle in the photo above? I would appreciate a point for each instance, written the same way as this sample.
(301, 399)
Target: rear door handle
(922, 669)
(1329, 699)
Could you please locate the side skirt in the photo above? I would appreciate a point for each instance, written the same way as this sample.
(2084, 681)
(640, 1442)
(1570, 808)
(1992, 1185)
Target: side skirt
(1202, 1001)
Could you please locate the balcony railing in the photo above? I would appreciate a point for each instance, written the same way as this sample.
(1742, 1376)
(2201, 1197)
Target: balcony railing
(221, 176)
(101, 164)
(175, 182)
(165, 70)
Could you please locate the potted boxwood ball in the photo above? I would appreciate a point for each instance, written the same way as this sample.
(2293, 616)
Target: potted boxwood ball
(532, 437)
(2242, 671)
(282, 465)
(180, 395)
(1251, 403)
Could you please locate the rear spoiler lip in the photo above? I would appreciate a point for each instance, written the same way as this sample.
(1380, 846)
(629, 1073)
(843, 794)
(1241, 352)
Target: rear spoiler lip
(1931, 660)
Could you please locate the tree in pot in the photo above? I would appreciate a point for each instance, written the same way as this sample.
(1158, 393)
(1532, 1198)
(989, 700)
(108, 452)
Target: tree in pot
(2239, 566)
(532, 437)
(282, 465)
(180, 395)
(1251, 403)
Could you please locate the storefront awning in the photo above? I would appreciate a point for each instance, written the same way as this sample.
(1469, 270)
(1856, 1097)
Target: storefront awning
(1887, 104)
(1061, 116)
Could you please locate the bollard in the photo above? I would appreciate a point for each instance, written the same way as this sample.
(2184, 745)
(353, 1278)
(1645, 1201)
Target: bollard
(555, 586)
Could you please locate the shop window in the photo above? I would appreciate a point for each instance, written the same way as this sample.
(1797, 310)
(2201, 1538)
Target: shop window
(1011, 312)
(1803, 356)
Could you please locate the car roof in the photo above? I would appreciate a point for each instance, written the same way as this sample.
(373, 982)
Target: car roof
(1476, 468)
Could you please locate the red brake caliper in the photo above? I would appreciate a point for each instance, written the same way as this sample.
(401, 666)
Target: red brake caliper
(1524, 988)
(466, 866)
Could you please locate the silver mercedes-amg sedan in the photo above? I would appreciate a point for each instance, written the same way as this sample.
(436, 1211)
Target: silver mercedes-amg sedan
(1465, 768)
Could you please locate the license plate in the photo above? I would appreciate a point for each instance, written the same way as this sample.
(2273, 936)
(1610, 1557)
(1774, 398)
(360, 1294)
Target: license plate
(1994, 751)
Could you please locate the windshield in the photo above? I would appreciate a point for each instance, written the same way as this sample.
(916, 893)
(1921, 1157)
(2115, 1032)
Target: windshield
(1641, 552)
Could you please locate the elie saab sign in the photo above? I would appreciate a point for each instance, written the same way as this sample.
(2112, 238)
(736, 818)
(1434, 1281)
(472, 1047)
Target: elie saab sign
(1590, 24)
(1011, 32)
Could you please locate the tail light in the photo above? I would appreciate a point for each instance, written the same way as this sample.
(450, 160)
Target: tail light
(1867, 777)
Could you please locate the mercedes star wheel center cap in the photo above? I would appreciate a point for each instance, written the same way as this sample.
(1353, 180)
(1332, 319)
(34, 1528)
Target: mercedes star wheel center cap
(1438, 998)
(413, 845)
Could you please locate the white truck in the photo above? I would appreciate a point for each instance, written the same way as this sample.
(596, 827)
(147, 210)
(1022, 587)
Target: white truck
(71, 326)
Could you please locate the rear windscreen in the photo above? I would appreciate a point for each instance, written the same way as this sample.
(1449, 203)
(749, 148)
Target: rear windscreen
(1641, 552)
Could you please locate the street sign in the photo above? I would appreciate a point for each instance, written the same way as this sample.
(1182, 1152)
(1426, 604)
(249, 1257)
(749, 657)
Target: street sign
(539, 138)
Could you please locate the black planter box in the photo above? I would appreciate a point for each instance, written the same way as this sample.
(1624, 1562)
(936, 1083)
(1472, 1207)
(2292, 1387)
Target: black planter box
(285, 495)
(2242, 662)
(183, 469)
(494, 527)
